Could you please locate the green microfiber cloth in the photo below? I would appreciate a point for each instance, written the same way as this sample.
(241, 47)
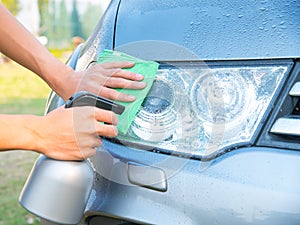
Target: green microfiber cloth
(147, 68)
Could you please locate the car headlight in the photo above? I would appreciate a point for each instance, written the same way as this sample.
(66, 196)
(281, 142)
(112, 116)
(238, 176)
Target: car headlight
(198, 111)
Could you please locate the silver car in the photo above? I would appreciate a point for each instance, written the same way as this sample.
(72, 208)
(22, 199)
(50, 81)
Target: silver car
(217, 139)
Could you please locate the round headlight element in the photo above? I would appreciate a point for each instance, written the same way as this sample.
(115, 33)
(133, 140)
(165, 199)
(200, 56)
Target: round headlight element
(195, 110)
(220, 96)
(156, 121)
(222, 99)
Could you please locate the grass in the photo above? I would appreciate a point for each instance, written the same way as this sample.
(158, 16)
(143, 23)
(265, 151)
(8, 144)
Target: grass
(21, 92)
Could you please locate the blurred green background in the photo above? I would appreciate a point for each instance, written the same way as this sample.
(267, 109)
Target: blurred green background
(21, 92)
(55, 23)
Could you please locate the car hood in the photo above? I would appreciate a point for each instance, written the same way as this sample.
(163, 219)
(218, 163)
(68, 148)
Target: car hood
(209, 29)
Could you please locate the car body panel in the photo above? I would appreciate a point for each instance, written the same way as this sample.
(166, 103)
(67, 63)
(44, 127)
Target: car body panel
(213, 29)
(246, 186)
(251, 184)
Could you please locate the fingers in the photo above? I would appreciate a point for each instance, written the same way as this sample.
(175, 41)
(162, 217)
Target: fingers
(90, 121)
(110, 119)
(104, 125)
(125, 74)
(107, 130)
(105, 116)
(101, 79)
(116, 65)
(116, 69)
(115, 82)
(91, 151)
(115, 95)
(79, 133)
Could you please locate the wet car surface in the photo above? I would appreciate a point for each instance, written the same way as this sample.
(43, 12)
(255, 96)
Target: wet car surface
(217, 139)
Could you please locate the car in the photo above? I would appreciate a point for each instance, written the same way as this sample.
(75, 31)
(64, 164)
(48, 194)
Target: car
(217, 139)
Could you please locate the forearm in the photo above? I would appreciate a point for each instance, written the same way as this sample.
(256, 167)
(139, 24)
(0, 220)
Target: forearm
(19, 132)
(21, 46)
(64, 134)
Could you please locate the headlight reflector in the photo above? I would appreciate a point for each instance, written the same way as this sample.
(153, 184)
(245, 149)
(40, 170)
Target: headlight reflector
(201, 110)
(157, 120)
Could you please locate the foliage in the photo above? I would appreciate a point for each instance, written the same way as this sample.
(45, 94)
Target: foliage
(60, 21)
(63, 28)
(75, 21)
(12, 5)
(43, 9)
(91, 17)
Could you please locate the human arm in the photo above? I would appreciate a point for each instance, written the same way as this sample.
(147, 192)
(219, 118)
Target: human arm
(63, 134)
(21, 46)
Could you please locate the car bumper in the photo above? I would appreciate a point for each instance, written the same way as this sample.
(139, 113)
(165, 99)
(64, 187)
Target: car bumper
(246, 186)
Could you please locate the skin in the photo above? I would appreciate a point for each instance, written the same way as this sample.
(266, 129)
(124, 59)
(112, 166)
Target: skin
(63, 134)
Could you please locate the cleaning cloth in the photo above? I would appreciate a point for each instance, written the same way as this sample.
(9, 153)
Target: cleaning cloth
(147, 68)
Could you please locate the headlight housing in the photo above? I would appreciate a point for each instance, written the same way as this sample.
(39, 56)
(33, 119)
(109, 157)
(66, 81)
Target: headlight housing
(199, 110)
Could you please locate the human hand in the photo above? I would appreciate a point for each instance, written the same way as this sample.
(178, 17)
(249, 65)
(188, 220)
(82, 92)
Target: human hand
(73, 133)
(102, 79)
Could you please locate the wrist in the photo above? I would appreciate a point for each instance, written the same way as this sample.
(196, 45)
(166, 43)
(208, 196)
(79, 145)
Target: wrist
(20, 132)
(32, 136)
(58, 78)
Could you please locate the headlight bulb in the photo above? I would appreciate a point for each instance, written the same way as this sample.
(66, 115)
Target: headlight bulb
(156, 120)
(219, 97)
(222, 99)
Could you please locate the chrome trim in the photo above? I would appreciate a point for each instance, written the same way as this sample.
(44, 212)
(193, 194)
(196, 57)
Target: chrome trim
(287, 126)
(295, 90)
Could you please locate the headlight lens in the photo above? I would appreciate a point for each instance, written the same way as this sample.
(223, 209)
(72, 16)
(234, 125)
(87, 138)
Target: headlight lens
(199, 111)
(157, 120)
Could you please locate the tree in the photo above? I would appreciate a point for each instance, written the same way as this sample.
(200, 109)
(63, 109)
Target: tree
(91, 16)
(51, 23)
(43, 12)
(12, 5)
(63, 30)
(75, 21)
